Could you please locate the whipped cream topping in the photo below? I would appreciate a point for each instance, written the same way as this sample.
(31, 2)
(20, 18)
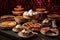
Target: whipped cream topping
(26, 31)
(30, 13)
(45, 21)
(18, 26)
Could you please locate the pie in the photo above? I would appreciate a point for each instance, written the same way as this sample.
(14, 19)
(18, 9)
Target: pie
(32, 25)
(7, 24)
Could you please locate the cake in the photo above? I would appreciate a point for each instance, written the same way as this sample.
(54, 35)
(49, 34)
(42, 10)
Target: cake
(18, 10)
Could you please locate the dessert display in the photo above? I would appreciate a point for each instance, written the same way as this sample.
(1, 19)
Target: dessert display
(32, 25)
(18, 10)
(7, 24)
(28, 23)
(25, 33)
(17, 28)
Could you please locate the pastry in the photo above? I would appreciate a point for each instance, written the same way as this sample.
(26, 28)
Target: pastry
(17, 28)
(53, 16)
(32, 25)
(30, 14)
(6, 16)
(7, 24)
(19, 19)
(40, 9)
(49, 31)
(25, 33)
(18, 12)
(44, 30)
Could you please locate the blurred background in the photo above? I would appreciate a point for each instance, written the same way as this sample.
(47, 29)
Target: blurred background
(6, 6)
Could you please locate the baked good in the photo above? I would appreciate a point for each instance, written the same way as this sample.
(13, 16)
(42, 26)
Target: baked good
(19, 19)
(18, 10)
(32, 25)
(53, 32)
(44, 30)
(40, 9)
(17, 28)
(30, 14)
(25, 33)
(7, 24)
(53, 16)
(49, 31)
(6, 16)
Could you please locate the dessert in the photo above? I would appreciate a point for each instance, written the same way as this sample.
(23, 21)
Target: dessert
(40, 9)
(30, 14)
(6, 16)
(44, 30)
(32, 25)
(49, 31)
(7, 24)
(18, 10)
(19, 19)
(25, 33)
(17, 28)
(53, 16)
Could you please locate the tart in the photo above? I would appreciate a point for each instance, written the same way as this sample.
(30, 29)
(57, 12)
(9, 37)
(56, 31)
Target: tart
(17, 28)
(49, 31)
(7, 24)
(25, 33)
(32, 25)
(53, 16)
(19, 19)
(6, 16)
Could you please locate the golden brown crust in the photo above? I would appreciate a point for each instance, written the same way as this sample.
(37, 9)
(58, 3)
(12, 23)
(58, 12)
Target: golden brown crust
(18, 18)
(31, 24)
(5, 16)
(7, 24)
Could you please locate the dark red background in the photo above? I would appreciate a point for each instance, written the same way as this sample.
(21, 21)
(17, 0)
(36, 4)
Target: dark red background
(6, 6)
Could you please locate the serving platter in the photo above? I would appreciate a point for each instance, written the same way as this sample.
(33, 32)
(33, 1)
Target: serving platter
(13, 36)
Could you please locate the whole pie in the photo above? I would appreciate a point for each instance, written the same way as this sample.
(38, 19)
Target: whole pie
(7, 24)
(32, 25)
(6, 16)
